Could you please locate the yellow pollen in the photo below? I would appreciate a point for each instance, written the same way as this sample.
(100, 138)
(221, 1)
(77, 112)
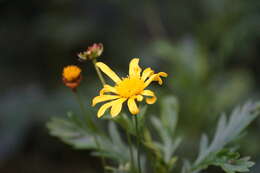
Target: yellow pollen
(71, 72)
(130, 87)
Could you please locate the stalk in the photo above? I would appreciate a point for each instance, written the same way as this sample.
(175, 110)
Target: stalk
(130, 150)
(100, 76)
(138, 144)
(83, 111)
(91, 125)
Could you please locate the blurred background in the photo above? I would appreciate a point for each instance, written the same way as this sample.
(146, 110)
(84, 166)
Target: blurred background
(209, 48)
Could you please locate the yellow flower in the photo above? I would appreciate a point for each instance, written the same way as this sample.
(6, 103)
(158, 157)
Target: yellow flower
(128, 89)
(71, 76)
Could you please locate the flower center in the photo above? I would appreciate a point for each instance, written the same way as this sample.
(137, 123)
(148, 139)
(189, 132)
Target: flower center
(130, 87)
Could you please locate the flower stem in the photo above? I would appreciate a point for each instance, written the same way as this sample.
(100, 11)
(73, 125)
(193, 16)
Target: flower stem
(103, 161)
(130, 150)
(89, 124)
(102, 80)
(100, 76)
(138, 144)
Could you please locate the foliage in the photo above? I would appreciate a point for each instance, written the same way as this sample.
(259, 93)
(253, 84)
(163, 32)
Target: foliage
(231, 162)
(161, 142)
(163, 150)
(226, 132)
(73, 131)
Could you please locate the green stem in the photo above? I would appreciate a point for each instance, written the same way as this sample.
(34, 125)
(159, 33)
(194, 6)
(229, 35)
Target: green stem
(89, 124)
(100, 76)
(130, 150)
(103, 161)
(102, 80)
(83, 111)
(138, 143)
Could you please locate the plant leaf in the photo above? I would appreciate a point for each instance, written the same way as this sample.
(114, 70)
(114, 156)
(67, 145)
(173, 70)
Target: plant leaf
(165, 128)
(73, 132)
(125, 122)
(231, 163)
(169, 114)
(226, 132)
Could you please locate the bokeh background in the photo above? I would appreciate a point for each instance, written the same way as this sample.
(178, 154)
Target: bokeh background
(209, 48)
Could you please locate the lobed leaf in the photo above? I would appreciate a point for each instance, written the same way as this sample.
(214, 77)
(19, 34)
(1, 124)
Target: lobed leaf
(227, 130)
(73, 132)
(165, 128)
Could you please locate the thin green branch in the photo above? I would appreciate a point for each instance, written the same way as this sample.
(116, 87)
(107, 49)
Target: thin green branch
(130, 150)
(90, 124)
(100, 76)
(138, 143)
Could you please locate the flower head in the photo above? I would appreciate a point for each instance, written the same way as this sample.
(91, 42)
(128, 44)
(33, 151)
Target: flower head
(130, 89)
(71, 76)
(92, 52)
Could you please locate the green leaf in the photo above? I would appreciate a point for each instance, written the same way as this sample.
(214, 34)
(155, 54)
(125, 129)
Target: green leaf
(169, 114)
(122, 168)
(172, 162)
(186, 167)
(227, 131)
(141, 117)
(165, 128)
(203, 143)
(72, 131)
(148, 142)
(231, 163)
(116, 139)
(125, 122)
(115, 148)
(160, 129)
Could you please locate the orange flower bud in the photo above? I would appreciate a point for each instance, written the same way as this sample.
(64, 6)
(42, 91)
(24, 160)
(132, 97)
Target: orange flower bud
(71, 76)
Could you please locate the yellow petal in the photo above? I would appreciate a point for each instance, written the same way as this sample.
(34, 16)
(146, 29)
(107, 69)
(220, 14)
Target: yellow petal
(103, 108)
(103, 98)
(117, 106)
(155, 77)
(151, 78)
(147, 73)
(134, 69)
(152, 96)
(163, 74)
(132, 106)
(110, 73)
(139, 98)
(106, 89)
(158, 78)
